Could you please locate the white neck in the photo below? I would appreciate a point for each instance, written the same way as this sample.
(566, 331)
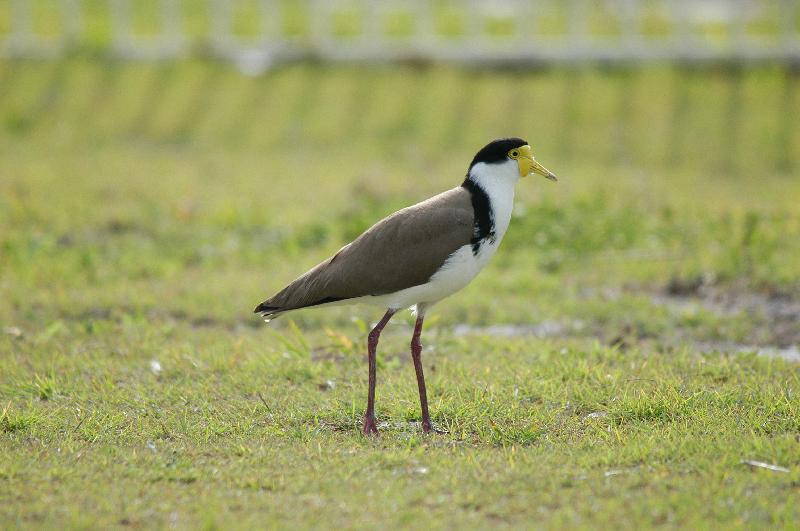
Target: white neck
(499, 182)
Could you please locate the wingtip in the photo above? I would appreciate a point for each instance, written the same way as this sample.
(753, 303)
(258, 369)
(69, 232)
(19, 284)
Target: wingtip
(268, 313)
(261, 308)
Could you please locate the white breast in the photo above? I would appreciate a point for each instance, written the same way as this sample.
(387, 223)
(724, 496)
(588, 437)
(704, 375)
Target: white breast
(499, 181)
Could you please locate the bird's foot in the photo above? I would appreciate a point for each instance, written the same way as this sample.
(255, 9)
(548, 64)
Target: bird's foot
(428, 428)
(370, 427)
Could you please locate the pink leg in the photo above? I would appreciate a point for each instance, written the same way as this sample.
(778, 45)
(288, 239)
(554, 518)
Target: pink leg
(370, 426)
(416, 354)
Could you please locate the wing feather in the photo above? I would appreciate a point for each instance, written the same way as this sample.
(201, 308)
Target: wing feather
(401, 251)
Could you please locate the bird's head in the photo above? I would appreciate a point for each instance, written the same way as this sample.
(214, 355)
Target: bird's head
(513, 155)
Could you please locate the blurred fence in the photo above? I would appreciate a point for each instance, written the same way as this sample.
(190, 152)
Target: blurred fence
(258, 33)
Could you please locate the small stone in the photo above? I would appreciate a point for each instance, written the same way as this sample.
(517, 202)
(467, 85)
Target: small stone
(327, 385)
(13, 331)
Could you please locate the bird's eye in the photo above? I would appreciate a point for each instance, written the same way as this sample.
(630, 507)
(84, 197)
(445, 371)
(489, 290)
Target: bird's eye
(515, 153)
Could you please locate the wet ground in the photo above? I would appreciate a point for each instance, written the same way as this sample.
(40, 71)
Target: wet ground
(773, 319)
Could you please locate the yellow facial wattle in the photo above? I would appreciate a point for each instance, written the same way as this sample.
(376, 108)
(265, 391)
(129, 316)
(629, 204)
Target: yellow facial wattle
(527, 164)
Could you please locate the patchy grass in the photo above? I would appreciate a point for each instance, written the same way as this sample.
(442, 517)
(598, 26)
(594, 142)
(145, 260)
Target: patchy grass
(236, 430)
(591, 376)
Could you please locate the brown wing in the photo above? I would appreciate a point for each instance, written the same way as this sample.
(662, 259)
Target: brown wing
(399, 252)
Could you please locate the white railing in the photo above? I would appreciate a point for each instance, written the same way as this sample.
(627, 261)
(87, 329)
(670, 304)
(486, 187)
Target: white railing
(479, 31)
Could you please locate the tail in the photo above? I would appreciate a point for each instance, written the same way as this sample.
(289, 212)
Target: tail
(311, 289)
(268, 313)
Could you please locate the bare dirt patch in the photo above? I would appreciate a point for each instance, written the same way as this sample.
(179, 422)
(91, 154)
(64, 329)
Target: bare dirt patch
(776, 314)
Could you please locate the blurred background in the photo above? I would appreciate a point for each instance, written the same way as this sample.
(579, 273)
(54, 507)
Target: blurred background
(166, 165)
(182, 159)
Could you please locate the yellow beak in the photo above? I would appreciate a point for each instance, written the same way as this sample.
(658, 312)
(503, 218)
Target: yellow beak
(528, 165)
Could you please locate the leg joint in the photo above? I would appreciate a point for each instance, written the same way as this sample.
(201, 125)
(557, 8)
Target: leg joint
(373, 336)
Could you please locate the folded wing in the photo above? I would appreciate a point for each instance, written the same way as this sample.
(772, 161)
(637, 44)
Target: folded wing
(399, 252)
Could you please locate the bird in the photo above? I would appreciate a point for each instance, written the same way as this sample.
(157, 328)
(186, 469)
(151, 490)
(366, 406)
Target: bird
(418, 256)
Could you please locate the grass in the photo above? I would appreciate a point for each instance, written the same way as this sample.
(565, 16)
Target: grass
(227, 433)
(146, 208)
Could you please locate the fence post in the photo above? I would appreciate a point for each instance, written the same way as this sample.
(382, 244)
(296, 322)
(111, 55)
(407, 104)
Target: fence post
(789, 37)
(171, 32)
(220, 26)
(121, 33)
(71, 10)
(21, 28)
(271, 21)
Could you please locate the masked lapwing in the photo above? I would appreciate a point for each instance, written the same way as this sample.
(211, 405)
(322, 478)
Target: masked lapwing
(419, 255)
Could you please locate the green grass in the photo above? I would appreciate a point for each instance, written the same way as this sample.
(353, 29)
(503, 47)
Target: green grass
(146, 208)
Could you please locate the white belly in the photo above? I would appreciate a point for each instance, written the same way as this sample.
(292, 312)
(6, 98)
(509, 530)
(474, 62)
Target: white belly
(458, 271)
